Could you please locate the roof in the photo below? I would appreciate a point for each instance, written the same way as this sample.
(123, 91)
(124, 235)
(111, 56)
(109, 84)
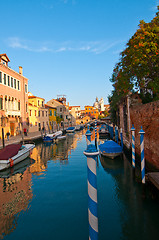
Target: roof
(49, 106)
(4, 55)
(35, 97)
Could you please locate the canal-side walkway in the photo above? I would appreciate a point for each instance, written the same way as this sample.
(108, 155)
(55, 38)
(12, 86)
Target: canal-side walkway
(17, 139)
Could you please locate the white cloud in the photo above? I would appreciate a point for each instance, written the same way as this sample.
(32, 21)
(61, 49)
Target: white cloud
(96, 47)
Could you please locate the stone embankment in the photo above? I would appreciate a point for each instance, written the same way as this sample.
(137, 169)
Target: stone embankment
(147, 116)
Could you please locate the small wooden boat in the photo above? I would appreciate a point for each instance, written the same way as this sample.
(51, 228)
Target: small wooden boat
(51, 136)
(70, 129)
(13, 154)
(110, 149)
(77, 128)
(61, 137)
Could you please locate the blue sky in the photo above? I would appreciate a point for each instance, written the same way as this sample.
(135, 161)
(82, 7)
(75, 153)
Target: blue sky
(69, 46)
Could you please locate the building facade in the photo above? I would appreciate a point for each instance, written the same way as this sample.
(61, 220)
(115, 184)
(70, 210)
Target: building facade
(52, 111)
(38, 114)
(13, 98)
(91, 112)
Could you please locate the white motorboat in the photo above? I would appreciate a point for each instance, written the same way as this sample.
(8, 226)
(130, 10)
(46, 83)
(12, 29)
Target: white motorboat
(13, 154)
(49, 137)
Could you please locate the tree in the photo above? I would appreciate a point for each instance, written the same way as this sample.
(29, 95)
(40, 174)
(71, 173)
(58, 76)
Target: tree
(138, 68)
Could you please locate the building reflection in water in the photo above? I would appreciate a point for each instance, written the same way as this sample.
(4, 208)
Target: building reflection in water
(16, 183)
(15, 195)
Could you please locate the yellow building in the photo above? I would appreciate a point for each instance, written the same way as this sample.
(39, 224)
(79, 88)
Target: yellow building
(38, 114)
(91, 111)
(52, 115)
(33, 117)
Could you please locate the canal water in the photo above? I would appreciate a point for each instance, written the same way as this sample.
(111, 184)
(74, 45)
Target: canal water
(45, 197)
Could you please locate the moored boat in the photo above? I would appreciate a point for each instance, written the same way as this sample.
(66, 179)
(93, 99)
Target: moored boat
(77, 128)
(61, 137)
(70, 129)
(49, 137)
(103, 132)
(110, 149)
(13, 154)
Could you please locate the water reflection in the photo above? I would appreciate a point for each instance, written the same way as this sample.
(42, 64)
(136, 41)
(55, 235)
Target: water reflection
(15, 194)
(137, 217)
(16, 182)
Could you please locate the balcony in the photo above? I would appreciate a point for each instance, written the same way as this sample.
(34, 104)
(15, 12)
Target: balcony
(12, 113)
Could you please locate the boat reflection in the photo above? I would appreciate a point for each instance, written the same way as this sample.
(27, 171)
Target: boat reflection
(112, 166)
(16, 183)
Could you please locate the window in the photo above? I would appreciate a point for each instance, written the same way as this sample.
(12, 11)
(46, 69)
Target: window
(8, 80)
(36, 124)
(42, 103)
(18, 85)
(26, 107)
(46, 113)
(35, 112)
(0, 77)
(60, 109)
(54, 113)
(42, 113)
(30, 113)
(4, 78)
(50, 113)
(38, 102)
(19, 106)
(26, 88)
(1, 103)
(11, 82)
(15, 83)
(39, 113)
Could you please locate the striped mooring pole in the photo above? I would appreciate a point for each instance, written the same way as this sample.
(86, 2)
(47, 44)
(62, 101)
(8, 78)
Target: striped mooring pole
(116, 134)
(142, 155)
(121, 137)
(133, 146)
(88, 137)
(91, 153)
(96, 132)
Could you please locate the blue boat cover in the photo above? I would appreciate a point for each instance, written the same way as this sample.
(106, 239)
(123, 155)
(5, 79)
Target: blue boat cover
(71, 128)
(110, 147)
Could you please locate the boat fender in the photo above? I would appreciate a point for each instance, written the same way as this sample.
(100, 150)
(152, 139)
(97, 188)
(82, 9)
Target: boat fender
(31, 151)
(11, 162)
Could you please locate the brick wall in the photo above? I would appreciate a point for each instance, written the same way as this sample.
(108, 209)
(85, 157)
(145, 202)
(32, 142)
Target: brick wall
(147, 116)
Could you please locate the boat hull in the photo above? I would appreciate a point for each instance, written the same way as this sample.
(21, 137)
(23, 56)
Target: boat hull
(110, 155)
(20, 156)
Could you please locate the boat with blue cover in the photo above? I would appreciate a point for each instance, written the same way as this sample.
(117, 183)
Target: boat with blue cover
(110, 149)
(70, 129)
(51, 136)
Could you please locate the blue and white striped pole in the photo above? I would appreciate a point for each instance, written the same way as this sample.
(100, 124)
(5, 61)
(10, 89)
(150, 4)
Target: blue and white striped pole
(88, 137)
(121, 137)
(133, 146)
(142, 154)
(96, 132)
(91, 153)
(117, 134)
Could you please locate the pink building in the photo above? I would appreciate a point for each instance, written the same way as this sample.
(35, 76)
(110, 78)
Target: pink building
(13, 97)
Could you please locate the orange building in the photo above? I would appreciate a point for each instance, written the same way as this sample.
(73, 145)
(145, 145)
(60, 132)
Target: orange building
(13, 97)
(91, 111)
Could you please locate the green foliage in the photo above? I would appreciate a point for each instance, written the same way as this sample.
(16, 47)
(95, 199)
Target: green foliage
(138, 68)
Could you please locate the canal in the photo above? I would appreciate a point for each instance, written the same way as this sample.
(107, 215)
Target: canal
(45, 197)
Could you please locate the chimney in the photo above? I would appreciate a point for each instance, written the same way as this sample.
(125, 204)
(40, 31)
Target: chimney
(20, 70)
